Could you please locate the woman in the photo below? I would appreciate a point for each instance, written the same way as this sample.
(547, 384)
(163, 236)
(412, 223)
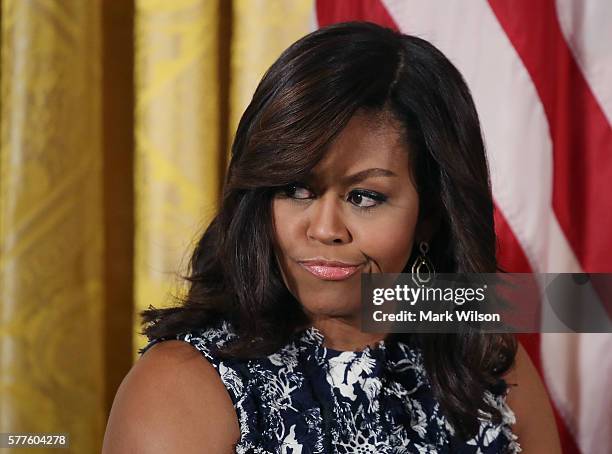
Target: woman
(360, 152)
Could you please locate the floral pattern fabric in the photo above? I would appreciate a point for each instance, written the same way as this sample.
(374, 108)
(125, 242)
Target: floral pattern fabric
(307, 399)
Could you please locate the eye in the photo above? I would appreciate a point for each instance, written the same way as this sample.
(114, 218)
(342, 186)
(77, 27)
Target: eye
(362, 199)
(297, 191)
(366, 199)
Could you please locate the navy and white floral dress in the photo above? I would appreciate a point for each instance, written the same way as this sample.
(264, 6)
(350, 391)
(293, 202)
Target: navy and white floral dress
(307, 398)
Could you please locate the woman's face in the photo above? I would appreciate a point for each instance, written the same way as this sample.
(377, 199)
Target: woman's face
(359, 207)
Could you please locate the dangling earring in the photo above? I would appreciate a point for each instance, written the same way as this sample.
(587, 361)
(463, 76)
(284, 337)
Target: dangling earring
(422, 261)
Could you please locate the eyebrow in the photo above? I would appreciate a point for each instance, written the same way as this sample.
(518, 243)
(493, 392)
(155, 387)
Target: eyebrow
(367, 173)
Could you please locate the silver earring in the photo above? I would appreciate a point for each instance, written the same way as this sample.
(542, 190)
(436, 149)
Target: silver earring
(420, 276)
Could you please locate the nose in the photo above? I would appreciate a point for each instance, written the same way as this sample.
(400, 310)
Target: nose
(326, 223)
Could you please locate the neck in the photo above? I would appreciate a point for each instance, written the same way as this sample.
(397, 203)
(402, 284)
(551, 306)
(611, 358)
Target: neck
(344, 335)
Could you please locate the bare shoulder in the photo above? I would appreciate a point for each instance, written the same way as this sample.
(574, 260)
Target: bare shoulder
(535, 422)
(172, 400)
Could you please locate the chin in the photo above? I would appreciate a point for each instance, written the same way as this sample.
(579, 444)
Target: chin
(331, 306)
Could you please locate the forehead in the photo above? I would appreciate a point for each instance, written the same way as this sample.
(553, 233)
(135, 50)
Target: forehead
(368, 140)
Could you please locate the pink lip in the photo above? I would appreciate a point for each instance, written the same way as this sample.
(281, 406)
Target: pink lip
(330, 271)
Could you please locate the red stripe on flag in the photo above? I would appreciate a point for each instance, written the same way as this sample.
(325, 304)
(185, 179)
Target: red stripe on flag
(510, 255)
(580, 132)
(331, 12)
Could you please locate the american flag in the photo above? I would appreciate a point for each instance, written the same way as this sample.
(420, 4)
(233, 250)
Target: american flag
(540, 72)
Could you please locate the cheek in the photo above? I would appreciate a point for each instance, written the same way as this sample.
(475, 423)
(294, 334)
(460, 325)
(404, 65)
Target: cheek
(389, 240)
(284, 228)
(285, 237)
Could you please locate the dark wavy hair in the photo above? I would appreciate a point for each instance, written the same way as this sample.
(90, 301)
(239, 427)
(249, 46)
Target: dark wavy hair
(302, 103)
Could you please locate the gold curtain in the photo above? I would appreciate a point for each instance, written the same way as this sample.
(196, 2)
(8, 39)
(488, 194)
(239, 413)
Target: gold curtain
(51, 211)
(178, 150)
(116, 122)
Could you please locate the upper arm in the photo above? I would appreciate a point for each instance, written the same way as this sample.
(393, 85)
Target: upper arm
(535, 423)
(172, 400)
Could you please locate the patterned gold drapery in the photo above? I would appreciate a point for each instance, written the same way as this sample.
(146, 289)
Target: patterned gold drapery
(178, 149)
(51, 212)
(117, 118)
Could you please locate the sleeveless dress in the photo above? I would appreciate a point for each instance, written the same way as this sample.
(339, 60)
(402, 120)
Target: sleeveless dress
(307, 399)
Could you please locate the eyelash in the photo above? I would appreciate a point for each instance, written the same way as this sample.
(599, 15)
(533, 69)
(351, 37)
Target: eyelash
(375, 196)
